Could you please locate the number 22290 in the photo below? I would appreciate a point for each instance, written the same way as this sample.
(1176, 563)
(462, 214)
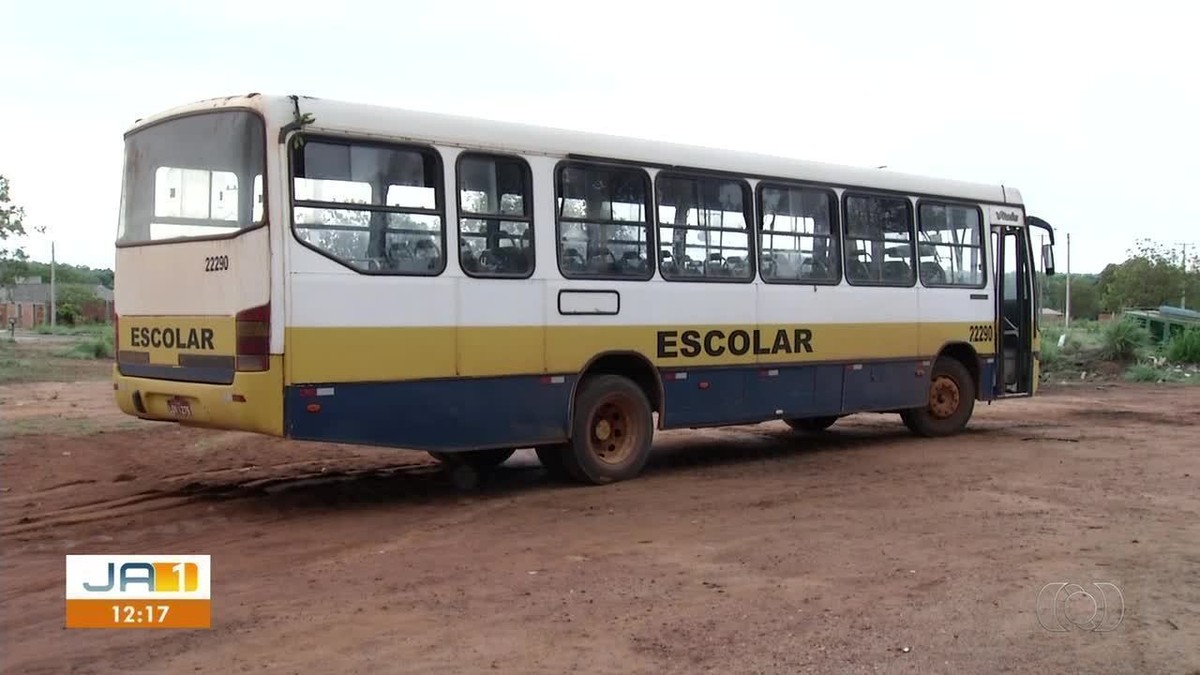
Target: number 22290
(216, 263)
(981, 333)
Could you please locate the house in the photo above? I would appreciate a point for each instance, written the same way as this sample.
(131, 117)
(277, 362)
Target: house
(26, 314)
(28, 301)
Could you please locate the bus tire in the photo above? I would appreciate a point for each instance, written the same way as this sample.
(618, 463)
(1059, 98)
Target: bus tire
(612, 428)
(811, 423)
(481, 460)
(949, 404)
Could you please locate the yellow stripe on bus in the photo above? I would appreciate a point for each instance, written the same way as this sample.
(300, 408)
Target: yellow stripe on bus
(395, 354)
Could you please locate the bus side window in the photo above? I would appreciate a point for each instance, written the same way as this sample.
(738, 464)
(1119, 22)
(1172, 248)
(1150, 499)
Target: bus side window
(373, 207)
(603, 222)
(950, 246)
(798, 238)
(879, 240)
(495, 206)
(703, 225)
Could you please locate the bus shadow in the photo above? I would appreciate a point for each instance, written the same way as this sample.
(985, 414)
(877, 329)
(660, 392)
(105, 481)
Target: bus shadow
(418, 484)
(756, 445)
(389, 484)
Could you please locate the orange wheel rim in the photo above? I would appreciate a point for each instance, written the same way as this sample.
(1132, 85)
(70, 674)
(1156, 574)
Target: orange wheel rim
(944, 397)
(612, 433)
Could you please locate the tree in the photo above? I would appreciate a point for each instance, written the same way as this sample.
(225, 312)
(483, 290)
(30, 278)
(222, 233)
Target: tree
(1153, 275)
(1085, 294)
(1085, 298)
(72, 298)
(1105, 281)
(12, 225)
(70, 274)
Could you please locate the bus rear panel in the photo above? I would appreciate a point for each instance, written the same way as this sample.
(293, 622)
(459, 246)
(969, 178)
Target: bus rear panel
(193, 285)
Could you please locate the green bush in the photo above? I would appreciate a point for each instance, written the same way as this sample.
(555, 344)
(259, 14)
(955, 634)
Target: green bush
(1051, 354)
(1074, 343)
(1185, 348)
(1142, 372)
(1124, 340)
(93, 348)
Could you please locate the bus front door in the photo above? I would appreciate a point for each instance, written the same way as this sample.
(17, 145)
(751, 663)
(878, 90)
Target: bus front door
(1015, 308)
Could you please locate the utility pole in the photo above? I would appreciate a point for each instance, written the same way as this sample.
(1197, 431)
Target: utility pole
(1068, 311)
(53, 291)
(1183, 293)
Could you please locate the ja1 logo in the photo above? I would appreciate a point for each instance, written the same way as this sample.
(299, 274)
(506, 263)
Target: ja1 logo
(139, 591)
(1063, 606)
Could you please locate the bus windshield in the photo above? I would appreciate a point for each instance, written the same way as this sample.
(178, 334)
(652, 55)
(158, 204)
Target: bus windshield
(194, 176)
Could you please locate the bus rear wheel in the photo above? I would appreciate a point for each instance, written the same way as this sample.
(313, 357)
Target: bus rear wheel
(811, 423)
(551, 458)
(611, 431)
(950, 402)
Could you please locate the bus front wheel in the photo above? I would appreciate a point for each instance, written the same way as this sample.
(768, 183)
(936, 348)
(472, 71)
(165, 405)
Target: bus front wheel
(949, 404)
(611, 431)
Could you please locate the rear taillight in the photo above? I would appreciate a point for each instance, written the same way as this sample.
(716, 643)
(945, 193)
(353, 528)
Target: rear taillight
(253, 330)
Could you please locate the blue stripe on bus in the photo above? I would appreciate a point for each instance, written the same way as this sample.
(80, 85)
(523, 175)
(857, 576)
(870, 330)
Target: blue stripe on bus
(524, 411)
(745, 395)
(433, 414)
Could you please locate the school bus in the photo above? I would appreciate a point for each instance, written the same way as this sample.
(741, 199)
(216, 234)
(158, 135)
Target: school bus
(283, 267)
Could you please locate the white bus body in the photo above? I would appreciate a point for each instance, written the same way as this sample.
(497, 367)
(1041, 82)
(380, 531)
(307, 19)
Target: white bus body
(327, 303)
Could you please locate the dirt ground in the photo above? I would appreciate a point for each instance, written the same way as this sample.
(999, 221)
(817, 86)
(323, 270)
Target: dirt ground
(740, 550)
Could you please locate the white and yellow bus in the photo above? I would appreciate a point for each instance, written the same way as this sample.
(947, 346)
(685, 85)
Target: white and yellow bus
(330, 271)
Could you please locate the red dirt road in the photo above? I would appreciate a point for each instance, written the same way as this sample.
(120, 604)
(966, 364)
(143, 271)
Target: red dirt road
(743, 550)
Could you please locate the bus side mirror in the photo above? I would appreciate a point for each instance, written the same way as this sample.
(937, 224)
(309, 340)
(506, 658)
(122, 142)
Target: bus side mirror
(1048, 259)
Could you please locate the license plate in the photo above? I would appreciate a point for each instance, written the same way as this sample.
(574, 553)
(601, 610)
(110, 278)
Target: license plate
(179, 407)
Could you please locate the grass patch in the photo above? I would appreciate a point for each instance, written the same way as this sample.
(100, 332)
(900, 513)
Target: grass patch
(81, 329)
(1185, 348)
(1079, 353)
(34, 362)
(1142, 372)
(1148, 372)
(1124, 341)
(1051, 352)
(1120, 349)
(92, 348)
(12, 366)
(1079, 338)
(65, 426)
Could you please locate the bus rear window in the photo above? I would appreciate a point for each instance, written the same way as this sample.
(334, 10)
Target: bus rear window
(194, 176)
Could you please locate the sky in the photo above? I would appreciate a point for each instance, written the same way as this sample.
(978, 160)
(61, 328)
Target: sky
(1089, 109)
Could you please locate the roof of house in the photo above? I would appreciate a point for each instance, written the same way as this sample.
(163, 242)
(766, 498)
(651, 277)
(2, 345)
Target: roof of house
(41, 292)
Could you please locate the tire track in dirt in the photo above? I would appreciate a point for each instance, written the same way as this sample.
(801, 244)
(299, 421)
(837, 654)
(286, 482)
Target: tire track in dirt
(320, 484)
(317, 486)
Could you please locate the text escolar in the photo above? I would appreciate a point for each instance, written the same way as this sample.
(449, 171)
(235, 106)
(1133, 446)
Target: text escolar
(689, 343)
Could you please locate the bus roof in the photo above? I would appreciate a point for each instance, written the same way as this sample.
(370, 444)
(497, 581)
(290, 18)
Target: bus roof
(390, 123)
